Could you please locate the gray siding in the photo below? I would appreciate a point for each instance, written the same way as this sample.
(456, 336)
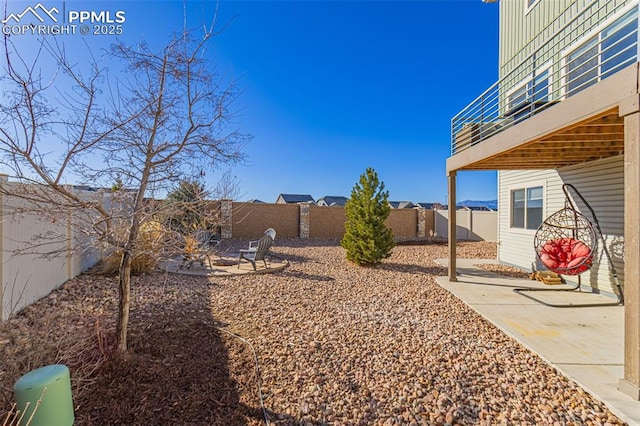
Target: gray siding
(600, 182)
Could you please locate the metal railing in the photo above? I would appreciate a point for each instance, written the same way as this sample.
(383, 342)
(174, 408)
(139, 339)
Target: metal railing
(569, 61)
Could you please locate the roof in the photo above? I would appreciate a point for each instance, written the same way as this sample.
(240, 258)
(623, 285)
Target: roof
(431, 205)
(332, 200)
(296, 198)
(401, 204)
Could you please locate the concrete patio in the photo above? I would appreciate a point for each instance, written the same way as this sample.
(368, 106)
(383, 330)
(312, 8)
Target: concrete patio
(223, 266)
(583, 343)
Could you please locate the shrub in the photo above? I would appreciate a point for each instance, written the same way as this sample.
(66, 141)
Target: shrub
(151, 243)
(367, 240)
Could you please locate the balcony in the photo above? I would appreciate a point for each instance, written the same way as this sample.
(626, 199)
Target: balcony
(564, 65)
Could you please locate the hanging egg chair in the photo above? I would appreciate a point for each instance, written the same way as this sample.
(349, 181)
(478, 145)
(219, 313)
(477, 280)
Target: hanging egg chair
(566, 241)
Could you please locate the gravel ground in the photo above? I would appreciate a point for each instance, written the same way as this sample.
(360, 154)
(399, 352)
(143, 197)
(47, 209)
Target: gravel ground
(335, 344)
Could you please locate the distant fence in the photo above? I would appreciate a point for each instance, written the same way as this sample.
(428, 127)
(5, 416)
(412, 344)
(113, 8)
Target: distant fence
(28, 276)
(470, 225)
(304, 220)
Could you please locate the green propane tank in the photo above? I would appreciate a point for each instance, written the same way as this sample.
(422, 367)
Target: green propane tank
(52, 384)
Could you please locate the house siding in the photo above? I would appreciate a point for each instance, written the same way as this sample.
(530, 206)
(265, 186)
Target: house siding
(600, 182)
(524, 30)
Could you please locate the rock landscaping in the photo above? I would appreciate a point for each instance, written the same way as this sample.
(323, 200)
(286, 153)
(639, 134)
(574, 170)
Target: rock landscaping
(335, 343)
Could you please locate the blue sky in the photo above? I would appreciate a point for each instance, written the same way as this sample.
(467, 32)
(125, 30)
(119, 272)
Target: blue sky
(333, 87)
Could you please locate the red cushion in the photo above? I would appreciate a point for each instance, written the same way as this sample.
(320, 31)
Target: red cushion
(576, 261)
(549, 261)
(580, 249)
(563, 255)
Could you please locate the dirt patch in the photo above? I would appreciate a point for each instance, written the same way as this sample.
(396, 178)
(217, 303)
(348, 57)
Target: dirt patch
(508, 271)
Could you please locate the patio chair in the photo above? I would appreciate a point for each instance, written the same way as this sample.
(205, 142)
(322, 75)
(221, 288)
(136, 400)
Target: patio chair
(203, 245)
(254, 244)
(257, 253)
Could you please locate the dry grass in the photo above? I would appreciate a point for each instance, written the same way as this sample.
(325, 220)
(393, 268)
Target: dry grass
(153, 239)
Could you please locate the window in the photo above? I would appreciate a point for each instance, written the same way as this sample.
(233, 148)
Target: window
(604, 54)
(618, 42)
(582, 66)
(518, 97)
(525, 99)
(540, 87)
(526, 208)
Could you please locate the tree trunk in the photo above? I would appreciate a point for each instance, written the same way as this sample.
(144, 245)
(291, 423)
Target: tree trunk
(124, 291)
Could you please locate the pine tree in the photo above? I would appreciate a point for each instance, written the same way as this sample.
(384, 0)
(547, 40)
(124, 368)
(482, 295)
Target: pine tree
(187, 207)
(367, 240)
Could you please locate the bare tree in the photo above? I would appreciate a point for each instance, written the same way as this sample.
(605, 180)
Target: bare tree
(227, 187)
(166, 116)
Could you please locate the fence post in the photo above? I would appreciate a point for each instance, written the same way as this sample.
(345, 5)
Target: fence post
(304, 220)
(226, 218)
(469, 224)
(422, 222)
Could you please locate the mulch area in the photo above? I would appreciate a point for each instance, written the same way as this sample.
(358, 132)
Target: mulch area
(429, 359)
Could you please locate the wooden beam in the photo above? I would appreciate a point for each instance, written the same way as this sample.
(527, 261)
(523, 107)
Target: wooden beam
(630, 384)
(452, 226)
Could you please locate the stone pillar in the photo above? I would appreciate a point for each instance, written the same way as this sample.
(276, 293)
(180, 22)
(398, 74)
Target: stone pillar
(422, 222)
(630, 384)
(451, 177)
(304, 220)
(226, 218)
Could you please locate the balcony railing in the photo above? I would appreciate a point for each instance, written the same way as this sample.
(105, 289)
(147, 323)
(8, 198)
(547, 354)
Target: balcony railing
(566, 63)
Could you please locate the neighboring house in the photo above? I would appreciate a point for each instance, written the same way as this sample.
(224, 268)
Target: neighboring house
(255, 200)
(566, 109)
(294, 198)
(401, 204)
(432, 206)
(329, 200)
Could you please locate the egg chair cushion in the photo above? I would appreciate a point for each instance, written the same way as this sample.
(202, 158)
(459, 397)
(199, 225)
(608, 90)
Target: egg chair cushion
(566, 256)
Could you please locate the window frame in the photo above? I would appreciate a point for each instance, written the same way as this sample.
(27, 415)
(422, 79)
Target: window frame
(526, 187)
(595, 33)
(528, 84)
(530, 4)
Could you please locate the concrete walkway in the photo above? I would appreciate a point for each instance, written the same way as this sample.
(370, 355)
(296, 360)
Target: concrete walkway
(583, 343)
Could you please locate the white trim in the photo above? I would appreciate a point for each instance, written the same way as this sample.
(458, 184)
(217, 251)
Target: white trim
(528, 7)
(525, 186)
(594, 32)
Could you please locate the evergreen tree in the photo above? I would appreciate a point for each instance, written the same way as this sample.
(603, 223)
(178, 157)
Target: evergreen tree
(367, 239)
(187, 207)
